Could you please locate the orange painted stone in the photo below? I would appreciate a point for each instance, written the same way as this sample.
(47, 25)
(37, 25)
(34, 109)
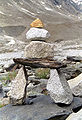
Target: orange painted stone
(37, 23)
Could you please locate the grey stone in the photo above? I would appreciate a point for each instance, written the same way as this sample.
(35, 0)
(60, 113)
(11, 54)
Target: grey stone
(59, 88)
(6, 90)
(75, 116)
(43, 108)
(71, 71)
(17, 91)
(37, 34)
(36, 88)
(37, 49)
(76, 85)
(4, 101)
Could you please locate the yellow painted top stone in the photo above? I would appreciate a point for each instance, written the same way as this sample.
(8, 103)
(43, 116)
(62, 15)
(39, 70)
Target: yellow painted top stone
(37, 23)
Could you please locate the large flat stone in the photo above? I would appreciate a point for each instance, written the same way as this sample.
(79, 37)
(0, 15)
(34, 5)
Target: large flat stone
(59, 88)
(17, 91)
(37, 34)
(37, 49)
(76, 85)
(42, 108)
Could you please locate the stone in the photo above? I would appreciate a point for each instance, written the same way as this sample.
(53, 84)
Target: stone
(37, 23)
(17, 91)
(76, 104)
(4, 101)
(38, 88)
(59, 88)
(37, 34)
(71, 71)
(37, 49)
(75, 116)
(76, 85)
(6, 90)
(42, 108)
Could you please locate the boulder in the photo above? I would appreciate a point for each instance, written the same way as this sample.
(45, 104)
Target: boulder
(37, 34)
(17, 91)
(75, 116)
(59, 88)
(37, 49)
(37, 23)
(76, 85)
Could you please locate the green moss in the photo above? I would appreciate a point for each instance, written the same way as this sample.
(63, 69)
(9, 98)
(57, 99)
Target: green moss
(42, 73)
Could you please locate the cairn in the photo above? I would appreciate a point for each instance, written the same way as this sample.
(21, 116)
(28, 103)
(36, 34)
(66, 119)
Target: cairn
(39, 48)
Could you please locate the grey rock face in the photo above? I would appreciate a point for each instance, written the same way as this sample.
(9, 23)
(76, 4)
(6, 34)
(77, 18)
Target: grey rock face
(59, 88)
(37, 34)
(76, 85)
(17, 91)
(37, 49)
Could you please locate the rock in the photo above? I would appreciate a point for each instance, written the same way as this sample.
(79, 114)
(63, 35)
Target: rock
(74, 58)
(76, 85)
(6, 90)
(37, 34)
(17, 91)
(4, 101)
(42, 108)
(37, 49)
(1, 69)
(76, 104)
(36, 88)
(75, 116)
(59, 88)
(1, 87)
(37, 23)
(71, 71)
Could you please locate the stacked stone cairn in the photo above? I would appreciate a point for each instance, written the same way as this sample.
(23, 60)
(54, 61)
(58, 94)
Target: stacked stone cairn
(39, 48)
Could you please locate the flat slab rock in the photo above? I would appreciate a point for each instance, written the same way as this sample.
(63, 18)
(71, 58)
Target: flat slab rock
(43, 108)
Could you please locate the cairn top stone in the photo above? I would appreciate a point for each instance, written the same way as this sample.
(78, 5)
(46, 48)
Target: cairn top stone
(37, 23)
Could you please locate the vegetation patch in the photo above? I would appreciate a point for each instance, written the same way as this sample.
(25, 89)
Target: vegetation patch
(7, 78)
(42, 73)
(2, 106)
